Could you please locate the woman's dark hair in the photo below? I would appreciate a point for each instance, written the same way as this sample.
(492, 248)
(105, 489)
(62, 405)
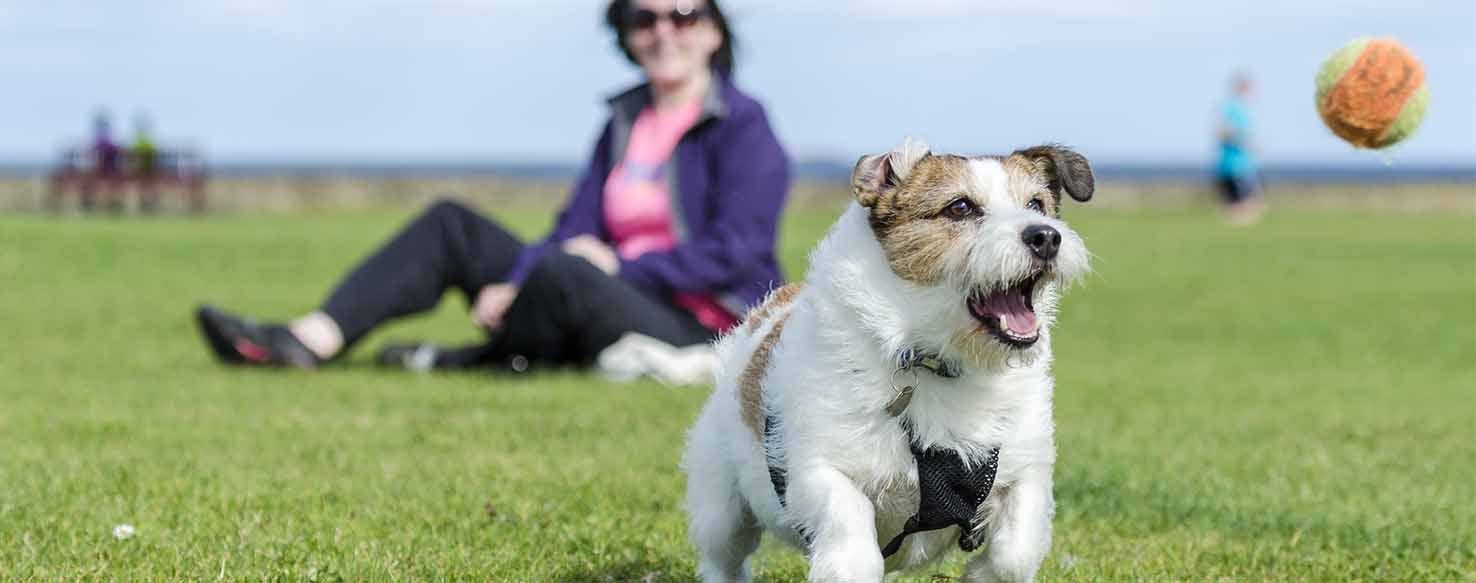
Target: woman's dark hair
(722, 59)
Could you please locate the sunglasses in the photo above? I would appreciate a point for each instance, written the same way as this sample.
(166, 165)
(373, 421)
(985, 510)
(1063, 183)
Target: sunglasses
(645, 18)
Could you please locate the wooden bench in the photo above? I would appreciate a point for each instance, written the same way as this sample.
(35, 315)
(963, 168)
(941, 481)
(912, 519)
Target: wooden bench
(180, 173)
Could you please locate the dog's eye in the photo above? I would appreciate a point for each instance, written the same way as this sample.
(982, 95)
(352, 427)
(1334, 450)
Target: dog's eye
(960, 209)
(1036, 205)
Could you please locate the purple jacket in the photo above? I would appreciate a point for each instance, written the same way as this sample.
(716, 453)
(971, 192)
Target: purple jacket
(730, 178)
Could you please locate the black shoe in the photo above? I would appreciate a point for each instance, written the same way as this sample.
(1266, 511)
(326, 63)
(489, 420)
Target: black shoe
(240, 341)
(418, 357)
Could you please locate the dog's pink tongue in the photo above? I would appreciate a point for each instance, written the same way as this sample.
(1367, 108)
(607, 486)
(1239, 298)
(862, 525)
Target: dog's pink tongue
(1013, 314)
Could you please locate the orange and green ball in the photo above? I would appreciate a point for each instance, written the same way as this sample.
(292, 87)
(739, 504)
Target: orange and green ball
(1372, 93)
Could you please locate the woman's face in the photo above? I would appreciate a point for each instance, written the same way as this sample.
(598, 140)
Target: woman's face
(672, 40)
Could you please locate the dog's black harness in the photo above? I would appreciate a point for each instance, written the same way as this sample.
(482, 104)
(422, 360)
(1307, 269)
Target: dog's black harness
(950, 492)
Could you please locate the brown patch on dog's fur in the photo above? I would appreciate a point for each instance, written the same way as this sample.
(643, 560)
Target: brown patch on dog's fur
(905, 218)
(777, 299)
(751, 383)
(931, 184)
(1031, 178)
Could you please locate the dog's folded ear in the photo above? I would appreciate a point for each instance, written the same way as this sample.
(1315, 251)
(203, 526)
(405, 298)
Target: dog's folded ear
(876, 173)
(1069, 170)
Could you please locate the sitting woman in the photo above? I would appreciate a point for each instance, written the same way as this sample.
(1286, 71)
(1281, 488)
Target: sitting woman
(669, 233)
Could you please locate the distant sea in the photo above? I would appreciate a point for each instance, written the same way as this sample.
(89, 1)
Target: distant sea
(818, 170)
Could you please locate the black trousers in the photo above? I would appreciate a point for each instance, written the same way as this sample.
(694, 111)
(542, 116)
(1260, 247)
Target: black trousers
(566, 312)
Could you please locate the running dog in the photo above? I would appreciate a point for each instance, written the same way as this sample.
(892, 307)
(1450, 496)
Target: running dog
(897, 403)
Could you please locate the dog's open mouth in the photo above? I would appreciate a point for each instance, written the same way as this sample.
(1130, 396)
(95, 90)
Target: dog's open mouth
(1008, 313)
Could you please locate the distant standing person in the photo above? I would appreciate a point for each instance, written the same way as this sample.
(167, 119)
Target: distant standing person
(143, 153)
(106, 167)
(1237, 176)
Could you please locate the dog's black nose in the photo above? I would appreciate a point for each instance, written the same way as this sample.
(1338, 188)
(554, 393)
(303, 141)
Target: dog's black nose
(1043, 240)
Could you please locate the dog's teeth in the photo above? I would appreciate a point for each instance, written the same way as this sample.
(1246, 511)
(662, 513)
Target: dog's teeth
(1004, 322)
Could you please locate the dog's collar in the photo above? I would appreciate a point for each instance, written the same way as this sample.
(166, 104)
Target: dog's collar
(904, 377)
(916, 357)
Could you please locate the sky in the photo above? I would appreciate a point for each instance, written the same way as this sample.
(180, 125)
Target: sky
(525, 80)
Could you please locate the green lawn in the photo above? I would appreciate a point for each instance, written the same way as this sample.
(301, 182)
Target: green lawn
(1292, 401)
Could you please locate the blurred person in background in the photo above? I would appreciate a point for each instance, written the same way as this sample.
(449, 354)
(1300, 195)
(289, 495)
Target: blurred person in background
(105, 166)
(667, 238)
(1237, 175)
(143, 156)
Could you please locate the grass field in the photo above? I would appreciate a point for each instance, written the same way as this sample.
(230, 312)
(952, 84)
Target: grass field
(1293, 401)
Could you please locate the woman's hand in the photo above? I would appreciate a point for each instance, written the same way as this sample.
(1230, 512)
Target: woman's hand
(492, 303)
(595, 251)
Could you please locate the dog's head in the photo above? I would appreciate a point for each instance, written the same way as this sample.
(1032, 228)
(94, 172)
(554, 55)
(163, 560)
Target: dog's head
(982, 235)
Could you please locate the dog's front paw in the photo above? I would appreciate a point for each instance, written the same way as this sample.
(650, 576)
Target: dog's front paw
(847, 566)
(1006, 565)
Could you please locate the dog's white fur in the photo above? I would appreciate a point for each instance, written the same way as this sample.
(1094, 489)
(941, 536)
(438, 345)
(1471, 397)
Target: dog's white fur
(852, 480)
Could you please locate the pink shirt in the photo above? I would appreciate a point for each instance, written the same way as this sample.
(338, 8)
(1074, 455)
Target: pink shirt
(638, 204)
